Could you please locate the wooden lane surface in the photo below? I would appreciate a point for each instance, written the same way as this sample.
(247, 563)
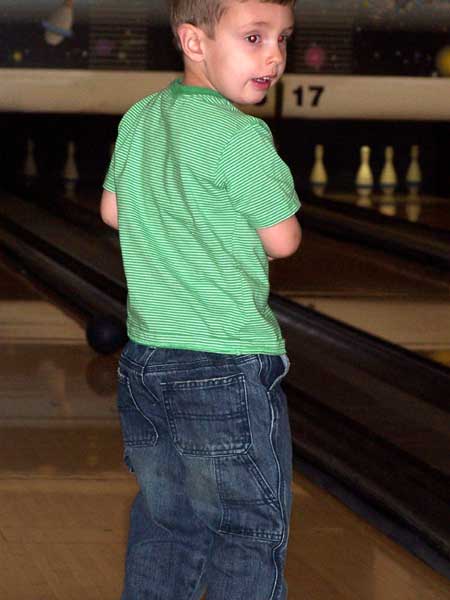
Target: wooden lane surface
(339, 268)
(64, 539)
(400, 301)
(65, 494)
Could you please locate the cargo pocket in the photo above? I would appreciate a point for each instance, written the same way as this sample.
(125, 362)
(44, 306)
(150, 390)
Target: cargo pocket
(208, 417)
(137, 430)
(250, 507)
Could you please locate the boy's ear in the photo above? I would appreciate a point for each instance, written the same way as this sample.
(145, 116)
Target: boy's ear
(191, 38)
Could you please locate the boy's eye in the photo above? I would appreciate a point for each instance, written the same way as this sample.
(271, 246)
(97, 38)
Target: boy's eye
(283, 39)
(253, 38)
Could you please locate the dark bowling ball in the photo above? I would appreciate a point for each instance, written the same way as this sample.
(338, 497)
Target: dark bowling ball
(106, 334)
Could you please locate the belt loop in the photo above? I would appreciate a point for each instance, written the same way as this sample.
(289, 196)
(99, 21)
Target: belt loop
(286, 362)
(259, 357)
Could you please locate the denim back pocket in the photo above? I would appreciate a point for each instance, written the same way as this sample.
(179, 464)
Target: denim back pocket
(208, 417)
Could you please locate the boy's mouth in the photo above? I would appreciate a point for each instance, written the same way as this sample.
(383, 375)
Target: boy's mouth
(263, 83)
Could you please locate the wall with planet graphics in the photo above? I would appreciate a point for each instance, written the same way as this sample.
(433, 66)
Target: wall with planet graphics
(368, 37)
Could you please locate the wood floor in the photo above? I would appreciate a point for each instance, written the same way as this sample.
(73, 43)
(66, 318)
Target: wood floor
(65, 494)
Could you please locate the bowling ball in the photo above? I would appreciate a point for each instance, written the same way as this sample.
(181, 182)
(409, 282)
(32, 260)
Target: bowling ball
(106, 334)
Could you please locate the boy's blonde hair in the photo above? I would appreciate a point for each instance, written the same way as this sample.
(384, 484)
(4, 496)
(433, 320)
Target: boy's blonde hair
(204, 13)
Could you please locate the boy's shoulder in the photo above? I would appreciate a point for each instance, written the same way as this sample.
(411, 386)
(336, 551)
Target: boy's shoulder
(244, 120)
(136, 109)
(246, 129)
(232, 122)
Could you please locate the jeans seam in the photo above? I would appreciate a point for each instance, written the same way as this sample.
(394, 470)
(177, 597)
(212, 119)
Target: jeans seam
(130, 391)
(182, 366)
(148, 359)
(195, 590)
(142, 375)
(254, 535)
(220, 493)
(283, 516)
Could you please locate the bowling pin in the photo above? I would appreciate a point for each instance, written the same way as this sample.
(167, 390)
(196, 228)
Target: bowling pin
(414, 174)
(318, 177)
(364, 177)
(59, 24)
(388, 180)
(30, 170)
(70, 173)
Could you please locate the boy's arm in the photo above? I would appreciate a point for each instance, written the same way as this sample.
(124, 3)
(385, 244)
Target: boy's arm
(108, 209)
(281, 240)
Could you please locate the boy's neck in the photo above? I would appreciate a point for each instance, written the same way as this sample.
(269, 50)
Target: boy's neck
(194, 77)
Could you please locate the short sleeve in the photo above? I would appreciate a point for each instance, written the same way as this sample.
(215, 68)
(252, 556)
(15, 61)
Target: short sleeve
(258, 181)
(126, 126)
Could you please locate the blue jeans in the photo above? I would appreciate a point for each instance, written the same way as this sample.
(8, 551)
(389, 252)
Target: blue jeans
(208, 438)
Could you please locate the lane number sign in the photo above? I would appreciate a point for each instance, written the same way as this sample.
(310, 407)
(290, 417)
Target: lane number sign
(365, 97)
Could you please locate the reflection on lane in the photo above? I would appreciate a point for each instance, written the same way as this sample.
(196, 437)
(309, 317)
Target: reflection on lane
(433, 211)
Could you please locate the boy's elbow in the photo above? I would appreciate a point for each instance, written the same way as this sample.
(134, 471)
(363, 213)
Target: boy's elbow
(286, 250)
(111, 223)
(288, 245)
(109, 219)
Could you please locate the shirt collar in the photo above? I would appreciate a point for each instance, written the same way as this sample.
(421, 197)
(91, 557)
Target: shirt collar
(179, 89)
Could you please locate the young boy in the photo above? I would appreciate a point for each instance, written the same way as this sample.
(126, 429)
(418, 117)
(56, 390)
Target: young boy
(203, 202)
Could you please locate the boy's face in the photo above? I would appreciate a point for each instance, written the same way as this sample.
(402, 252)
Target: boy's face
(248, 53)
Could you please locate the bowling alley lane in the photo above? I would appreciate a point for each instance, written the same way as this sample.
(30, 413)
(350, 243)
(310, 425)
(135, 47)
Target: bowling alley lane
(398, 300)
(54, 388)
(65, 494)
(377, 291)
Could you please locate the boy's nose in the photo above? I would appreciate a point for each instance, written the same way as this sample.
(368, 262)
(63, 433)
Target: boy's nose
(274, 54)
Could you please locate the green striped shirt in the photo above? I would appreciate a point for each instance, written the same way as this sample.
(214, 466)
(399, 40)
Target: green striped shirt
(195, 177)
